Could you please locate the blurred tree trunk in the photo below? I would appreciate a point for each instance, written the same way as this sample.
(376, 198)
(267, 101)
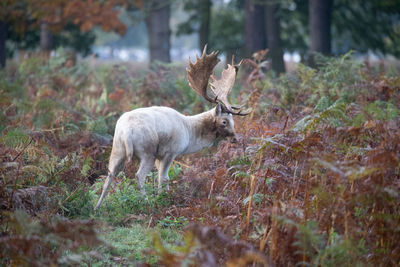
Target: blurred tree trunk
(3, 36)
(254, 28)
(46, 39)
(205, 16)
(158, 30)
(274, 42)
(320, 27)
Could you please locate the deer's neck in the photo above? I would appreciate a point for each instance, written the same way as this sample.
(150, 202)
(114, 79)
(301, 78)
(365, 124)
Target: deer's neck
(203, 131)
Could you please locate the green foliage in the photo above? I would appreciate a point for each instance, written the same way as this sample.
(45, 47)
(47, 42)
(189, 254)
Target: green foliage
(190, 96)
(334, 115)
(336, 79)
(381, 110)
(170, 222)
(321, 147)
(71, 37)
(273, 141)
(10, 87)
(195, 9)
(226, 24)
(129, 245)
(356, 25)
(245, 160)
(366, 26)
(295, 25)
(32, 65)
(16, 137)
(257, 199)
(127, 199)
(44, 113)
(78, 203)
(175, 171)
(98, 126)
(337, 251)
(87, 166)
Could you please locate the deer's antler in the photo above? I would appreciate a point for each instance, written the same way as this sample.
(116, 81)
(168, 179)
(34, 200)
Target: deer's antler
(223, 87)
(199, 74)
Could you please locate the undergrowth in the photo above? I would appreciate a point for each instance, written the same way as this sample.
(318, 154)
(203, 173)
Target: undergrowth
(313, 180)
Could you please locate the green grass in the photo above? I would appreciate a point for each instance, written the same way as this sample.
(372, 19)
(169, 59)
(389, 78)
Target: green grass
(125, 199)
(125, 216)
(127, 245)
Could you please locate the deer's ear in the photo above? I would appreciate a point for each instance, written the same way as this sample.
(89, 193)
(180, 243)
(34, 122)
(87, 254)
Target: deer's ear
(218, 110)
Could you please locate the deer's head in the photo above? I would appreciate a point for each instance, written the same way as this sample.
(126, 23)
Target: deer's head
(199, 74)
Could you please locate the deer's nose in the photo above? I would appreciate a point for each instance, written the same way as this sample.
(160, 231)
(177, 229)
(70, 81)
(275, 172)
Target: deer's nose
(234, 139)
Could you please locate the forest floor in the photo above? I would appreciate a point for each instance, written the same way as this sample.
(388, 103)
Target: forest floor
(314, 178)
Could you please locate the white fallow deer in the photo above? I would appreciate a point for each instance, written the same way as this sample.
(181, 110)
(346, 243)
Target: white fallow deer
(157, 135)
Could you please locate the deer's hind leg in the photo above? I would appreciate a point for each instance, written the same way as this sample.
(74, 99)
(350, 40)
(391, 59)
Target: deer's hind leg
(146, 165)
(116, 160)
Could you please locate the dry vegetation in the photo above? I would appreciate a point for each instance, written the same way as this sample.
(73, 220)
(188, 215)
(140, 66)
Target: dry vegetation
(314, 179)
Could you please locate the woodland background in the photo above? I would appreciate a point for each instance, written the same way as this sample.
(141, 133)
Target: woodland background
(313, 180)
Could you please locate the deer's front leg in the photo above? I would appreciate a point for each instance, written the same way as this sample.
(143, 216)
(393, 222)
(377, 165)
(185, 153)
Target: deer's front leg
(163, 168)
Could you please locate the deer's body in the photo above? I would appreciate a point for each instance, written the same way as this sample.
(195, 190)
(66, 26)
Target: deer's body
(157, 135)
(162, 131)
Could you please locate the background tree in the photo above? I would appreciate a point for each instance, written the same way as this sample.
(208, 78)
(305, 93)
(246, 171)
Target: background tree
(255, 38)
(273, 33)
(3, 37)
(199, 20)
(226, 24)
(72, 36)
(366, 26)
(226, 31)
(320, 13)
(295, 26)
(157, 20)
(46, 38)
(11, 16)
(53, 17)
(205, 17)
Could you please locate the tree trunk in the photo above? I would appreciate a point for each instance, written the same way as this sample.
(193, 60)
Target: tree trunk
(158, 30)
(3, 37)
(205, 10)
(254, 28)
(274, 42)
(320, 27)
(46, 40)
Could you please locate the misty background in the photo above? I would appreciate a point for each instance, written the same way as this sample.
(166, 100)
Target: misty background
(173, 30)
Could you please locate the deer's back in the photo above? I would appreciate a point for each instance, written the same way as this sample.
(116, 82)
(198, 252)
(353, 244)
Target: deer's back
(154, 130)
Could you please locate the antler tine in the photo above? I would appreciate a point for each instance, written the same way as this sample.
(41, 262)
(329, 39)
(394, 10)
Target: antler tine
(199, 73)
(222, 88)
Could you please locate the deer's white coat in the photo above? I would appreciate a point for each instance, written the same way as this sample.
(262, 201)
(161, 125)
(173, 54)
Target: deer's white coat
(157, 135)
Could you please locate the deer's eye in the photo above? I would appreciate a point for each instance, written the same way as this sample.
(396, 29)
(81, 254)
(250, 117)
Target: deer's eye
(224, 122)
